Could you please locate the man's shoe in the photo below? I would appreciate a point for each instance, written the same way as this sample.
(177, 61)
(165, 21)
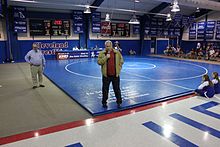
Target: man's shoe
(34, 87)
(104, 106)
(119, 105)
(42, 86)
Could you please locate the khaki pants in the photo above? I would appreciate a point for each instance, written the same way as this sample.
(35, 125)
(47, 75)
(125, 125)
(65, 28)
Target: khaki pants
(37, 74)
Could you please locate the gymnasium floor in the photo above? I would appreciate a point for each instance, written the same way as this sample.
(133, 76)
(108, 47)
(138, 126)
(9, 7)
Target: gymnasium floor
(50, 118)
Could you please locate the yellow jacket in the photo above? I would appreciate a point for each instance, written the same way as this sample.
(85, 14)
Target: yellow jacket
(102, 60)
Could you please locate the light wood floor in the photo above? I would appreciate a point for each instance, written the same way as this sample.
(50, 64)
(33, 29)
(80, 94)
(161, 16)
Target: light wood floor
(24, 109)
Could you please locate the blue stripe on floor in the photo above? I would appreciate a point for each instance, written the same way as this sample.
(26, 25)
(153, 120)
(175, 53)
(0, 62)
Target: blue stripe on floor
(203, 109)
(173, 137)
(196, 124)
(75, 145)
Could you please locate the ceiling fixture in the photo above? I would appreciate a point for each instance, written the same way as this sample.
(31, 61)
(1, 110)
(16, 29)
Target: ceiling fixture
(137, 1)
(169, 17)
(107, 17)
(134, 19)
(175, 7)
(87, 10)
(197, 9)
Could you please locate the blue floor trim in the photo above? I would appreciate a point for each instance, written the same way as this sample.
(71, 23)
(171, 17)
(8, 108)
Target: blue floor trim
(178, 140)
(143, 81)
(75, 145)
(203, 109)
(196, 124)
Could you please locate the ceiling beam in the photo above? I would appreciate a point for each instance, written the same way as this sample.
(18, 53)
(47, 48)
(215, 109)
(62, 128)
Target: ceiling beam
(96, 3)
(160, 7)
(202, 12)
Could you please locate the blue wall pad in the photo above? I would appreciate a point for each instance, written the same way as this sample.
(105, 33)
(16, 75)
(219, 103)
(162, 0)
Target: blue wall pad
(2, 51)
(143, 81)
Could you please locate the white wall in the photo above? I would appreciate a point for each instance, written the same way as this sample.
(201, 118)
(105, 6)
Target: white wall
(211, 16)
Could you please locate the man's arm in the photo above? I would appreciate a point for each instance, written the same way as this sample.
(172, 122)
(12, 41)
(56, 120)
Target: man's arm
(43, 60)
(102, 59)
(27, 57)
(121, 60)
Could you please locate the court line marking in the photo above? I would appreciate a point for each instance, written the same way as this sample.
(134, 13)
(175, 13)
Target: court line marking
(153, 66)
(135, 80)
(162, 82)
(171, 136)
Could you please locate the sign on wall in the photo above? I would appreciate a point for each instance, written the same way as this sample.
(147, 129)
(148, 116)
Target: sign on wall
(136, 29)
(192, 31)
(78, 22)
(147, 31)
(185, 22)
(201, 30)
(96, 22)
(20, 22)
(217, 35)
(210, 28)
(177, 20)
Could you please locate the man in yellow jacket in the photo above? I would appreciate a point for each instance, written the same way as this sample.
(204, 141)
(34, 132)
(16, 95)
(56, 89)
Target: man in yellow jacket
(111, 62)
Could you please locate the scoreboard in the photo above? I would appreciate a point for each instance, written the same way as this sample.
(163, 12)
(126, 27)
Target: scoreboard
(115, 29)
(49, 27)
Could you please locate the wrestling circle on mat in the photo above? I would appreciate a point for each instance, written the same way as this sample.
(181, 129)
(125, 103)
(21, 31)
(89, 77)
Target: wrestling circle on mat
(143, 81)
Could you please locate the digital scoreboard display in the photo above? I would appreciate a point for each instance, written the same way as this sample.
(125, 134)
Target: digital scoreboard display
(60, 28)
(49, 27)
(120, 30)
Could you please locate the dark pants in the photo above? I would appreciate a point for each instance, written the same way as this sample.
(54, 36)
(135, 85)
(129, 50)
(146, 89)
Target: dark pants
(116, 87)
(200, 92)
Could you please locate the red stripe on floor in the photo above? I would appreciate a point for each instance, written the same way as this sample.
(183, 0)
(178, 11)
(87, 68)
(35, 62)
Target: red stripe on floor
(40, 132)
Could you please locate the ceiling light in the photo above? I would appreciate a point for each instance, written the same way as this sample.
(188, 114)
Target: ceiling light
(107, 17)
(168, 17)
(176, 7)
(137, 1)
(197, 9)
(134, 20)
(87, 10)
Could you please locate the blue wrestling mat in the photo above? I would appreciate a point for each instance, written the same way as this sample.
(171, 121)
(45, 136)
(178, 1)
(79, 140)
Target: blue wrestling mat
(143, 81)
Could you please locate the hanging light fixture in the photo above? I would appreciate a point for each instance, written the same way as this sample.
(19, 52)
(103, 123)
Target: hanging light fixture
(197, 9)
(175, 7)
(87, 9)
(107, 17)
(169, 17)
(134, 19)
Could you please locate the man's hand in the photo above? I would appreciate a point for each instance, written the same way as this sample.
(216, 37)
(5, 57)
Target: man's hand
(108, 56)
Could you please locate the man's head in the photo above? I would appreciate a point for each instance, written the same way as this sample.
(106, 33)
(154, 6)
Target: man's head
(108, 45)
(34, 47)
